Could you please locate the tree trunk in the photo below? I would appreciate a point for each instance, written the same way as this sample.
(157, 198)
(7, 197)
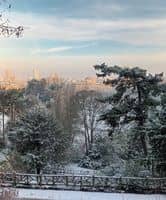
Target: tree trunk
(86, 143)
(141, 122)
(3, 124)
(14, 113)
(38, 170)
(144, 145)
(38, 167)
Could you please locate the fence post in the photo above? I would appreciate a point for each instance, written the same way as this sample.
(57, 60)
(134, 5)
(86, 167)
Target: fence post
(81, 183)
(1, 177)
(153, 168)
(53, 180)
(106, 182)
(66, 180)
(27, 179)
(14, 179)
(40, 179)
(93, 181)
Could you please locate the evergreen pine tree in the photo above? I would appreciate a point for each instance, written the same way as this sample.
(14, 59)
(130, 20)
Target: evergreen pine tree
(134, 95)
(39, 140)
(157, 133)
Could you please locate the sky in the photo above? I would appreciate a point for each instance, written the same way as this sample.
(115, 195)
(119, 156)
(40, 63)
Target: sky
(70, 36)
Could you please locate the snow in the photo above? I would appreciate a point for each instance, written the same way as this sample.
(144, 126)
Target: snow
(74, 195)
(2, 156)
(6, 119)
(75, 169)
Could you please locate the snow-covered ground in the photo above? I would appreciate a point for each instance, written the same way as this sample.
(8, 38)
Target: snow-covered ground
(73, 195)
(75, 169)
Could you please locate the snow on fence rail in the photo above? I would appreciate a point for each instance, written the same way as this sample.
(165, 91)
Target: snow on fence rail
(82, 182)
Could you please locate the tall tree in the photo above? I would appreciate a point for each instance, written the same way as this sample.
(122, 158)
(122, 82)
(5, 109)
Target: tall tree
(88, 114)
(157, 132)
(38, 138)
(38, 88)
(62, 104)
(3, 104)
(10, 105)
(134, 95)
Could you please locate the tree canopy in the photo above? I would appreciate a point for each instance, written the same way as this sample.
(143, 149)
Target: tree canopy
(39, 140)
(135, 92)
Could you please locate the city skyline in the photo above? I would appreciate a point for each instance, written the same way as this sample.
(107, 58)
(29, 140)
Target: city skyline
(69, 38)
(9, 80)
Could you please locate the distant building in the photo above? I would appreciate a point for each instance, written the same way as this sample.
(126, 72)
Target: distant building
(9, 81)
(53, 78)
(36, 74)
(90, 83)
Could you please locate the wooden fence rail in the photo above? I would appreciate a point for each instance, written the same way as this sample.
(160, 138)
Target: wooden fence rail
(81, 182)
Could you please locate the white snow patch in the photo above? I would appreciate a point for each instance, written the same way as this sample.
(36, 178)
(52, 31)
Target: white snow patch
(74, 195)
(6, 118)
(2, 157)
(75, 169)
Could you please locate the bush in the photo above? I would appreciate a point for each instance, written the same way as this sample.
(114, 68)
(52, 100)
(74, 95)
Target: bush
(94, 159)
(38, 139)
(114, 170)
(13, 162)
(137, 168)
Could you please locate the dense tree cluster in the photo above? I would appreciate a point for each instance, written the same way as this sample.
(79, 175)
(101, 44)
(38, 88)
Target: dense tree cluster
(134, 96)
(120, 132)
(137, 109)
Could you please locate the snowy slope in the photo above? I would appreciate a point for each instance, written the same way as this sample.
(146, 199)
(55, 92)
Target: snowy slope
(72, 195)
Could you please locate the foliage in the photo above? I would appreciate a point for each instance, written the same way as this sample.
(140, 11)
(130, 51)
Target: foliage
(39, 89)
(10, 104)
(37, 137)
(93, 160)
(98, 156)
(12, 163)
(135, 92)
(88, 113)
(136, 167)
(157, 132)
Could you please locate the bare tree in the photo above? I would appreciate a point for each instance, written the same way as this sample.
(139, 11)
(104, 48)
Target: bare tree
(5, 28)
(89, 109)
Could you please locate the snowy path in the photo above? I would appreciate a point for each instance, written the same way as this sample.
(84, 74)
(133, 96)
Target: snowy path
(72, 195)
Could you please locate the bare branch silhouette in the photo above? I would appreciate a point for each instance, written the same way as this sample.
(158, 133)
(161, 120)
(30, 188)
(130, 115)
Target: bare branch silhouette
(6, 29)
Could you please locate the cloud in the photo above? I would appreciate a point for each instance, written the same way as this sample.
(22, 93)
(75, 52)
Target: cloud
(112, 9)
(128, 24)
(51, 50)
(86, 9)
(60, 49)
(131, 31)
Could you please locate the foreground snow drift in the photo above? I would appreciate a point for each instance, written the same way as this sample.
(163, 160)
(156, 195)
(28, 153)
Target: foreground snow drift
(72, 195)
